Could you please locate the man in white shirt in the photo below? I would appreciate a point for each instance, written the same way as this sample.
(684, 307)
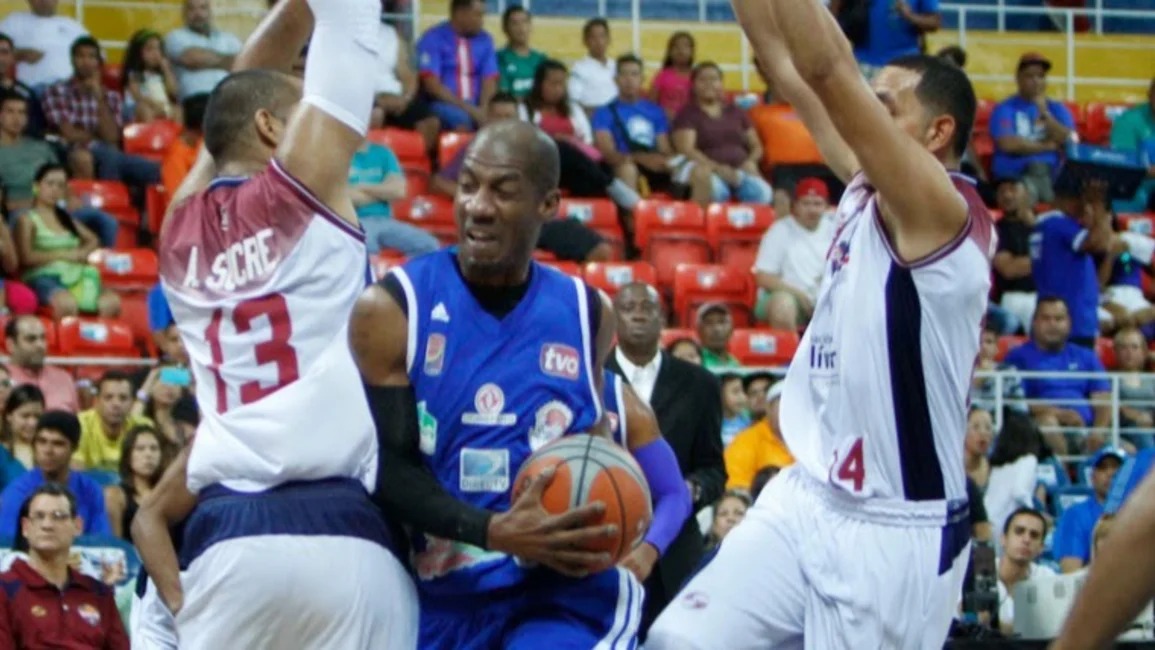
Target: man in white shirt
(1023, 535)
(788, 269)
(42, 42)
(591, 80)
(201, 54)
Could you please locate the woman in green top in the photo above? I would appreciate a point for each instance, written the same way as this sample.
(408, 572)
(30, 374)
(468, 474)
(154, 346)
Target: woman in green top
(517, 61)
(54, 251)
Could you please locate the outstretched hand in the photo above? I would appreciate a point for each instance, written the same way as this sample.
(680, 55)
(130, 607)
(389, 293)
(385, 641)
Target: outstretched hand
(529, 532)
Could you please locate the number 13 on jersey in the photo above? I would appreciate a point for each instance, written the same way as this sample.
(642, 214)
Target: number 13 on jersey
(849, 468)
(273, 349)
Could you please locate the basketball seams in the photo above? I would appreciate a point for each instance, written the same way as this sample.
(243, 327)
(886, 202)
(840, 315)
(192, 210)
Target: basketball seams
(579, 486)
(623, 534)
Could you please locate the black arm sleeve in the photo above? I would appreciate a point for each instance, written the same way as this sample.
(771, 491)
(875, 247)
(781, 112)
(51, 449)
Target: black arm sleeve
(406, 490)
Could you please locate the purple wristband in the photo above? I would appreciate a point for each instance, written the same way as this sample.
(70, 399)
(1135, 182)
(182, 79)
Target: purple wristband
(668, 490)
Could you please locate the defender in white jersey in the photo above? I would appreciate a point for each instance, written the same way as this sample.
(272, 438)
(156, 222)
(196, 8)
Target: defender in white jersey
(261, 269)
(863, 542)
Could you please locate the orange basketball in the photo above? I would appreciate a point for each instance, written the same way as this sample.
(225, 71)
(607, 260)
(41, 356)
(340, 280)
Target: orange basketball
(588, 469)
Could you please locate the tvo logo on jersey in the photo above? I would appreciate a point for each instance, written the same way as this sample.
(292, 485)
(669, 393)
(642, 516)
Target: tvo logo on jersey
(559, 360)
(489, 402)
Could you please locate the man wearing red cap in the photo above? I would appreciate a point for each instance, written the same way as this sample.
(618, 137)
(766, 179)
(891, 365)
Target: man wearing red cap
(1030, 130)
(790, 260)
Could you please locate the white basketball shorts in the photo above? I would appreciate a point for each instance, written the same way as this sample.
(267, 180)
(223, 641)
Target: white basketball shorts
(150, 623)
(302, 566)
(803, 572)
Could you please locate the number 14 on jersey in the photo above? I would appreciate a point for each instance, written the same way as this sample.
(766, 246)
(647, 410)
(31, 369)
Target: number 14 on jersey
(849, 468)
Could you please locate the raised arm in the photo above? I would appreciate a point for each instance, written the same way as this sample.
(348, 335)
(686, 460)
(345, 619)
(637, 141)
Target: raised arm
(757, 20)
(895, 162)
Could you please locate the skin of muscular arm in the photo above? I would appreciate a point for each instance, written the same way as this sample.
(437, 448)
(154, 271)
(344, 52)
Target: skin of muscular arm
(1121, 579)
(641, 430)
(168, 504)
(919, 222)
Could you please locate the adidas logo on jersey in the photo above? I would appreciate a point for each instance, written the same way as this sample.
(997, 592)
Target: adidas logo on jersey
(440, 313)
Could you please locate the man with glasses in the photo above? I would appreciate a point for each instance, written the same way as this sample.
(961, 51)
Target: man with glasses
(27, 345)
(57, 434)
(46, 603)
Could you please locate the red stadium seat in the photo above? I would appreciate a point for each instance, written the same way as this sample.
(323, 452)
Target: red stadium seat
(543, 256)
(416, 183)
(408, 146)
(127, 268)
(450, 143)
(1100, 117)
(155, 204)
(612, 276)
(96, 337)
(763, 347)
(1105, 348)
(432, 213)
(110, 76)
(599, 215)
(109, 196)
(150, 139)
(670, 233)
(134, 312)
(1008, 343)
(1144, 224)
(699, 284)
(671, 334)
(572, 269)
(735, 231)
(1077, 114)
(983, 116)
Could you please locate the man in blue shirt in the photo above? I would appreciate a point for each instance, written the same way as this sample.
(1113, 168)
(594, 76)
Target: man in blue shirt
(376, 179)
(1073, 532)
(1049, 350)
(632, 133)
(457, 62)
(57, 435)
(1030, 130)
(894, 30)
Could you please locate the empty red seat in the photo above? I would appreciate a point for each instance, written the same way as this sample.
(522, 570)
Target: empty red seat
(612, 276)
(572, 269)
(1105, 348)
(763, 347)
(432, 213)
(95, 337)
(671, 334)
(1077, 114)
(735, 232)
(150, 139)
(134, 312)
(408, 146)
(599, 215)
(416, 183)
(1100, 117)
(698, 284)
(131, 268)
(983, 111)
(110, 76)
(450, 143)
(109, 196)
(670, 233)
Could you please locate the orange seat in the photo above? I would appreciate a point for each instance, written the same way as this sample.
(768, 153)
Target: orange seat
(1008, 343)
(612, 276)
(599, 215)
(735, 232)
(671, 334)
(109, 196)
(670, 233)
(150, 139)
(698, 284)
(450, 143)
(408, 146)
(96, 337)
(763, 347)
(1100, 117)
(434, 214)
(130, 268)
(572, 269)
(385, 260)
(1105, 348)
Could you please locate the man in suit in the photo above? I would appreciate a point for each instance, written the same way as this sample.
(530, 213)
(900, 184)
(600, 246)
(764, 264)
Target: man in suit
(688, 402)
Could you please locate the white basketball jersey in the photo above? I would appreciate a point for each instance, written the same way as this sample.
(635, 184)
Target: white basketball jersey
(261, 278)
(875, 401)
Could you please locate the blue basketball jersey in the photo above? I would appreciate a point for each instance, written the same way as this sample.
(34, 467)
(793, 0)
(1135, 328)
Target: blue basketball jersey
(489, 393)
(613, 400)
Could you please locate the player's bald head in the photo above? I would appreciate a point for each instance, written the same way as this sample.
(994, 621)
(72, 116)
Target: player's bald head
(229, 126)
(524, 146)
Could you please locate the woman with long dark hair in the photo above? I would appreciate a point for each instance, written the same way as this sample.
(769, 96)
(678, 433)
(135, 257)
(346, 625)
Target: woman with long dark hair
(670, 88)
(549, 107)
(22, 410)
(148, 83)
(54, 250)
(141, 464)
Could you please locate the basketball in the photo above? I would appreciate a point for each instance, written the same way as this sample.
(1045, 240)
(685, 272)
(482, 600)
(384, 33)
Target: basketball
(588, 469)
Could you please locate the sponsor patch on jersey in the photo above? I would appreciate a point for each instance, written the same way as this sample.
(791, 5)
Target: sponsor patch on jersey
(484, 470)
(89, 613)
(559, 360)
(549, 423)
(427, 428)
(434, 354)
(489, 402)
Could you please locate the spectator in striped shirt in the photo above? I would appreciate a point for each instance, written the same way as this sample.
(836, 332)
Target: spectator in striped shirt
(457, 62)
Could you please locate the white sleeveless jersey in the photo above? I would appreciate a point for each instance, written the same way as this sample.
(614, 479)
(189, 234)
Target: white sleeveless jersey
(875, 401)
(261, 278)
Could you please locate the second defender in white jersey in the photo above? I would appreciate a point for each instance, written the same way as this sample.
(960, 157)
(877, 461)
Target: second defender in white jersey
(863, 542)
(262, 266)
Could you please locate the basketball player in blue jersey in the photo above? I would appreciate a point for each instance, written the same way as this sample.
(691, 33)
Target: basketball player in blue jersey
(862, 543)
(473, 357)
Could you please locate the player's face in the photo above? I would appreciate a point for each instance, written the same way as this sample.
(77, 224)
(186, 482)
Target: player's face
(50, 526)
(639, 316)
(895, 88)
(1131, 351)
(145, 455)
(51, 451)
(114, 400)
(1024, 540)
(499, 211)
(980, 431)
(517, 28)
(1103, 474)
(1052, 324)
